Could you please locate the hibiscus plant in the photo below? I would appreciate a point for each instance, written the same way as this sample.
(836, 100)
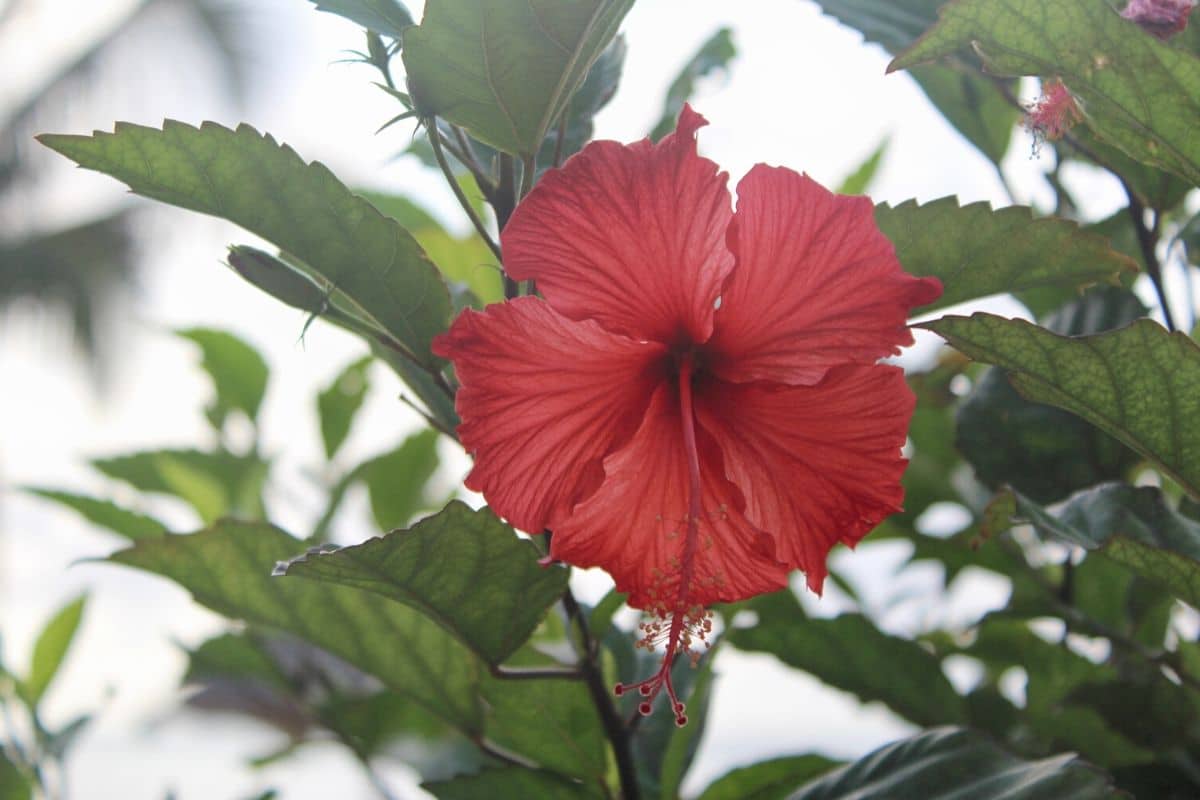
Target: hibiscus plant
(681, 381)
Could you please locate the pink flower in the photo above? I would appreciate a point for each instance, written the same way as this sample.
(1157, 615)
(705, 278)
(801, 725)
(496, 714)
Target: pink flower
(1162, 18)
(1054, 113)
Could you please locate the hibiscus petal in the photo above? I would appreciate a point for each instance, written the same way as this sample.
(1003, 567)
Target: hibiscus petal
(816, 283)
(816, 464)
(542, 400)
(630, 236)
(634, 524)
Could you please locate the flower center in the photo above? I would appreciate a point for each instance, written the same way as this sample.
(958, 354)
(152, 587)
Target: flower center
(678, 624)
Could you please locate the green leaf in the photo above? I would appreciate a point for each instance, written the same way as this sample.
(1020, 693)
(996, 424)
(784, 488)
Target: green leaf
(129, 524)
(555, 722)
(396, 483)
(465, 569)
(1131, 525)
(849, 653)
(858, 181)
(339, 402)
(51, 648)
(1140, 383)
(466, 260)
(1139, 94)
(506, 71)
(215, 483)
(768, 780)
(594, 94)
(511, 783)
(13, 785)
(228, 569)
(713, 56)
(953, 763)
(388, 17)
(285, 283)
(1043, 451)
(249, 179)
(895, 25)
(238, 372)
(977, 252)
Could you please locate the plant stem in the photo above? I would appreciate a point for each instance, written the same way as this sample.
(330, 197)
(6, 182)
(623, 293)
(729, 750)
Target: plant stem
(614, 726)
(1147, 240)
(435, 140)
(503, 203)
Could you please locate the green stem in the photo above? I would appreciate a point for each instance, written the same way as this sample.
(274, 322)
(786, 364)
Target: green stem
(614, 726)
(435, 140)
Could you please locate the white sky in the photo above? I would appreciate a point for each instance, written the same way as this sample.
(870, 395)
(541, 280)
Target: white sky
(804, 93)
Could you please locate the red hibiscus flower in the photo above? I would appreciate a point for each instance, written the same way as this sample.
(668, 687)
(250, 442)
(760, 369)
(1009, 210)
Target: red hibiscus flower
(696, 405)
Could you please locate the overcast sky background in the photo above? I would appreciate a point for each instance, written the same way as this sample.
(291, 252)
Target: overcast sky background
(804, 92)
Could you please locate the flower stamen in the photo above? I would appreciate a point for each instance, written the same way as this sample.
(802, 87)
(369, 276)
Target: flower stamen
(679, 626)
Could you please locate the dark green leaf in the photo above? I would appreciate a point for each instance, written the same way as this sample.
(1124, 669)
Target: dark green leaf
(1157, 189)
(285, 283)
(238, 372)
(216, 484)
(847, 652)
(1043, 451)
(13, 785)
(51, 648)
(228, 569)
(1138, 93)
(858, 181)
(339, 402)
(597, 89)
(977, 252)
(129, 524)
(768, 780)
(249, 179)
(953, 763)
(511, 783)
(1131, 525)
(713, 56)
(465, 569)
(555, 722)
(1140, 383)
(894, 24)
(506, 71)
(388, 17)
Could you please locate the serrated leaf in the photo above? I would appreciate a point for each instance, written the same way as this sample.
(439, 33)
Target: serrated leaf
(847, 652)
(977, 252)
(238, 371)
(713, 56)
(51, 648)
(129, 524)
(388, 17)
(1140, 383)
(506, 71)
(1043, 451)
(511, 783)
(1131, 525)
(768, 780)
(215, 483)
(227, 568)
(953, 763)
(339, 402)
(247, 178)
(463, 568)
(1138, 93)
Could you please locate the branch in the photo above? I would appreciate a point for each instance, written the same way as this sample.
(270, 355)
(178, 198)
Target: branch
(1147, 240)
(602, 697)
